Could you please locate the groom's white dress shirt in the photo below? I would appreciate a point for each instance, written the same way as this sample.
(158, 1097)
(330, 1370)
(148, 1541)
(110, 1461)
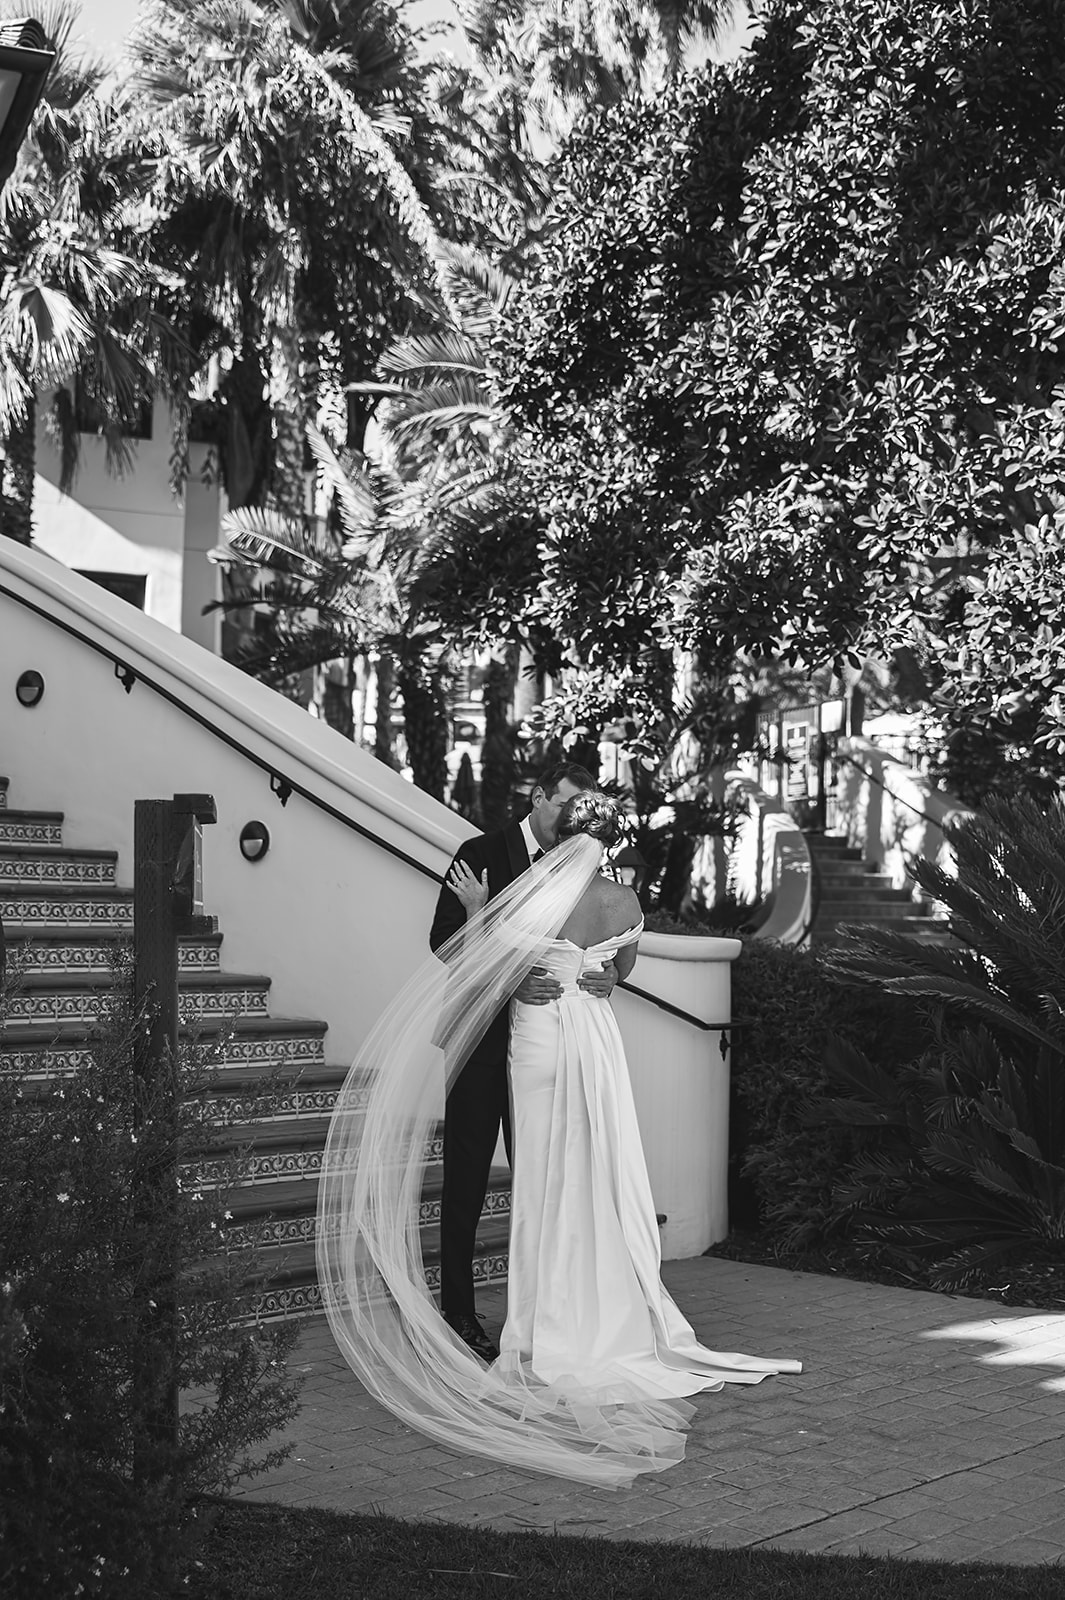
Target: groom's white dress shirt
(530, 838)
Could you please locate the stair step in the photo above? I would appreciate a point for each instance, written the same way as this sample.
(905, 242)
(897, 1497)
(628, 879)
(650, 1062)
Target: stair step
(293, 1289)
(30, 827)
(24, 866)
(919, 927)
(59, 951)
(73, 907)
(276, 1152)
(256, 1095)
(83, 997)
(876, 894)
(877, 916)
(832, 845)
(287, 1210)
(44, 1049)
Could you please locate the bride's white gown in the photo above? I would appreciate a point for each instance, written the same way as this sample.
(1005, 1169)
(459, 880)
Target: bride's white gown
(587, 1312)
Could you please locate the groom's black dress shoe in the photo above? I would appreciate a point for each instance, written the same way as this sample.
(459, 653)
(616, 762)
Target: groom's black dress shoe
(470, 1332)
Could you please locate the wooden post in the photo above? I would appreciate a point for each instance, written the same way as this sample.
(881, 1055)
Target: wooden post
(167, 901)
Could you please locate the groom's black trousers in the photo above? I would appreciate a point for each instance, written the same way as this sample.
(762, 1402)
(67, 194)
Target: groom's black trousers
(479, 1101)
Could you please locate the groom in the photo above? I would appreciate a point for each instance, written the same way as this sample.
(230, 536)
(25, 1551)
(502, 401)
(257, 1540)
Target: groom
(479, 1100)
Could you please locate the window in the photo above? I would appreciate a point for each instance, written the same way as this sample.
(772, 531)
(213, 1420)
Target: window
(126, 585)
(89, 418)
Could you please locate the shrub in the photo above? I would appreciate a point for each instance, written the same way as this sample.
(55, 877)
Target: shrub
(97, 1499)
(787, 1008)
(962, 1159)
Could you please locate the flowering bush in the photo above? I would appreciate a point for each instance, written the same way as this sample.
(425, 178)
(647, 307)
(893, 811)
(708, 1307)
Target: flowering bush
(100, 1496)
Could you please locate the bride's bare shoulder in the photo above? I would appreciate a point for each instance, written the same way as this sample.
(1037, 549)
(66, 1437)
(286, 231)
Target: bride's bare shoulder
(618, 903)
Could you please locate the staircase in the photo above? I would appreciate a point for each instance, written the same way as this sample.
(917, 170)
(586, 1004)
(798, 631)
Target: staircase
(855, 892)
(63, 915)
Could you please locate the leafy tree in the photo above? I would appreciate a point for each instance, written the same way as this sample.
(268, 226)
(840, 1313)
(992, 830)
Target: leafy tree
(790, 370)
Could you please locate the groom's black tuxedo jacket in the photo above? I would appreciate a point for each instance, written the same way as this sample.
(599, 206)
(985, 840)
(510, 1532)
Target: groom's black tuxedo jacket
(506, 857)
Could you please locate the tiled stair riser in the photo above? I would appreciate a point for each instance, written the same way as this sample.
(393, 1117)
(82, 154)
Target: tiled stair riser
(15, 830)
(302, 1229)
(41, 1060)
(59, 870)
(260, 1168)
(72, 1007)
(83, 957)
(305, 1300)
(32, 911)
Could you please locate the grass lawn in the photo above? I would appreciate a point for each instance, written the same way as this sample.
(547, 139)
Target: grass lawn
(261, 1552)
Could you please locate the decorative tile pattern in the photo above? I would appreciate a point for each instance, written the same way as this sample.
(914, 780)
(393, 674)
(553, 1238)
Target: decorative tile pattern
(289, 1300)
(83, 957)
(26, 832)
(196, 1003)
(115, 913)
(55, 1006)
(274, 1050)
(74, 958)
(280, 1103)
(39, 1064)
(30, 869)
(194, 957)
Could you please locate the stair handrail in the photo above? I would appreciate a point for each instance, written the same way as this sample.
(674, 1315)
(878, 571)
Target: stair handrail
(815, 900)
(841, 755)
(283, 787)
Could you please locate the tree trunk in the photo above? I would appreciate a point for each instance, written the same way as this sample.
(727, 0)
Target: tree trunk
(16, 506)
(385, 676)
(336, 695)
(424, 722)
(500, 740)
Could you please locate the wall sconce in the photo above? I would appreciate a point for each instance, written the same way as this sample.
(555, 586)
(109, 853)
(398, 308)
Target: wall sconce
(254, 840)
(29, 690)
(630, 868)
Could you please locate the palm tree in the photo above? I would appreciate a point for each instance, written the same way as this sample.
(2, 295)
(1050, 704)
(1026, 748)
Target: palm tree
(348, 584)
(77, 294)
(280, 197)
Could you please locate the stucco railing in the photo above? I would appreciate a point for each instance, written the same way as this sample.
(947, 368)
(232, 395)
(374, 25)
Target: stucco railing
(772, 861)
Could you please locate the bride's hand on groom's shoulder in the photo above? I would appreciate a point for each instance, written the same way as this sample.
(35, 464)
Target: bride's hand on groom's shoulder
(467, 887)
(599, 981)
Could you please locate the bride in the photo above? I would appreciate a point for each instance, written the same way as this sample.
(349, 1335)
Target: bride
(595, 1357)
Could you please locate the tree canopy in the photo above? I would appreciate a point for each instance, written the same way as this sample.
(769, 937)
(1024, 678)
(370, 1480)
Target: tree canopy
(789, 371)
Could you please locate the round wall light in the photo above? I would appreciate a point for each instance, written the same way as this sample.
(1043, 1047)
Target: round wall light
(254, 840)
(29, 690)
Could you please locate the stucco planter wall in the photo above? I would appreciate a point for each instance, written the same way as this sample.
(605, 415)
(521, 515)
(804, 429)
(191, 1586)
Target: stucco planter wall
(681, 1083)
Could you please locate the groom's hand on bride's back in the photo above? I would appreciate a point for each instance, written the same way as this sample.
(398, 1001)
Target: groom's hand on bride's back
(538, 988)
(599, 981)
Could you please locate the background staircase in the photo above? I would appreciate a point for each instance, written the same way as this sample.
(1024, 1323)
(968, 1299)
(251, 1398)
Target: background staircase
(853, 891)
(64, 916)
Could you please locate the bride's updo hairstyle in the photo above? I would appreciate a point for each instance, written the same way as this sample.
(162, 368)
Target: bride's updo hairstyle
(593, 813)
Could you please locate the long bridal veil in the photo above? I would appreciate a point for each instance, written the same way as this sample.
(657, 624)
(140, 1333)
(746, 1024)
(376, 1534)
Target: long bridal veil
(368, 1246)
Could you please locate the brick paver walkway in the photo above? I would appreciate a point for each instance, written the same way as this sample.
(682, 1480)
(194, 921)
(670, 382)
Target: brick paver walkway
(923, 1425)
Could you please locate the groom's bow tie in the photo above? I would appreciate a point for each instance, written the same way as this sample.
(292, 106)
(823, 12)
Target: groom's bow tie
(536, 857)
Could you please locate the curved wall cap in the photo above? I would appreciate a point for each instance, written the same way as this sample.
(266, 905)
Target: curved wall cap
(689, 947)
